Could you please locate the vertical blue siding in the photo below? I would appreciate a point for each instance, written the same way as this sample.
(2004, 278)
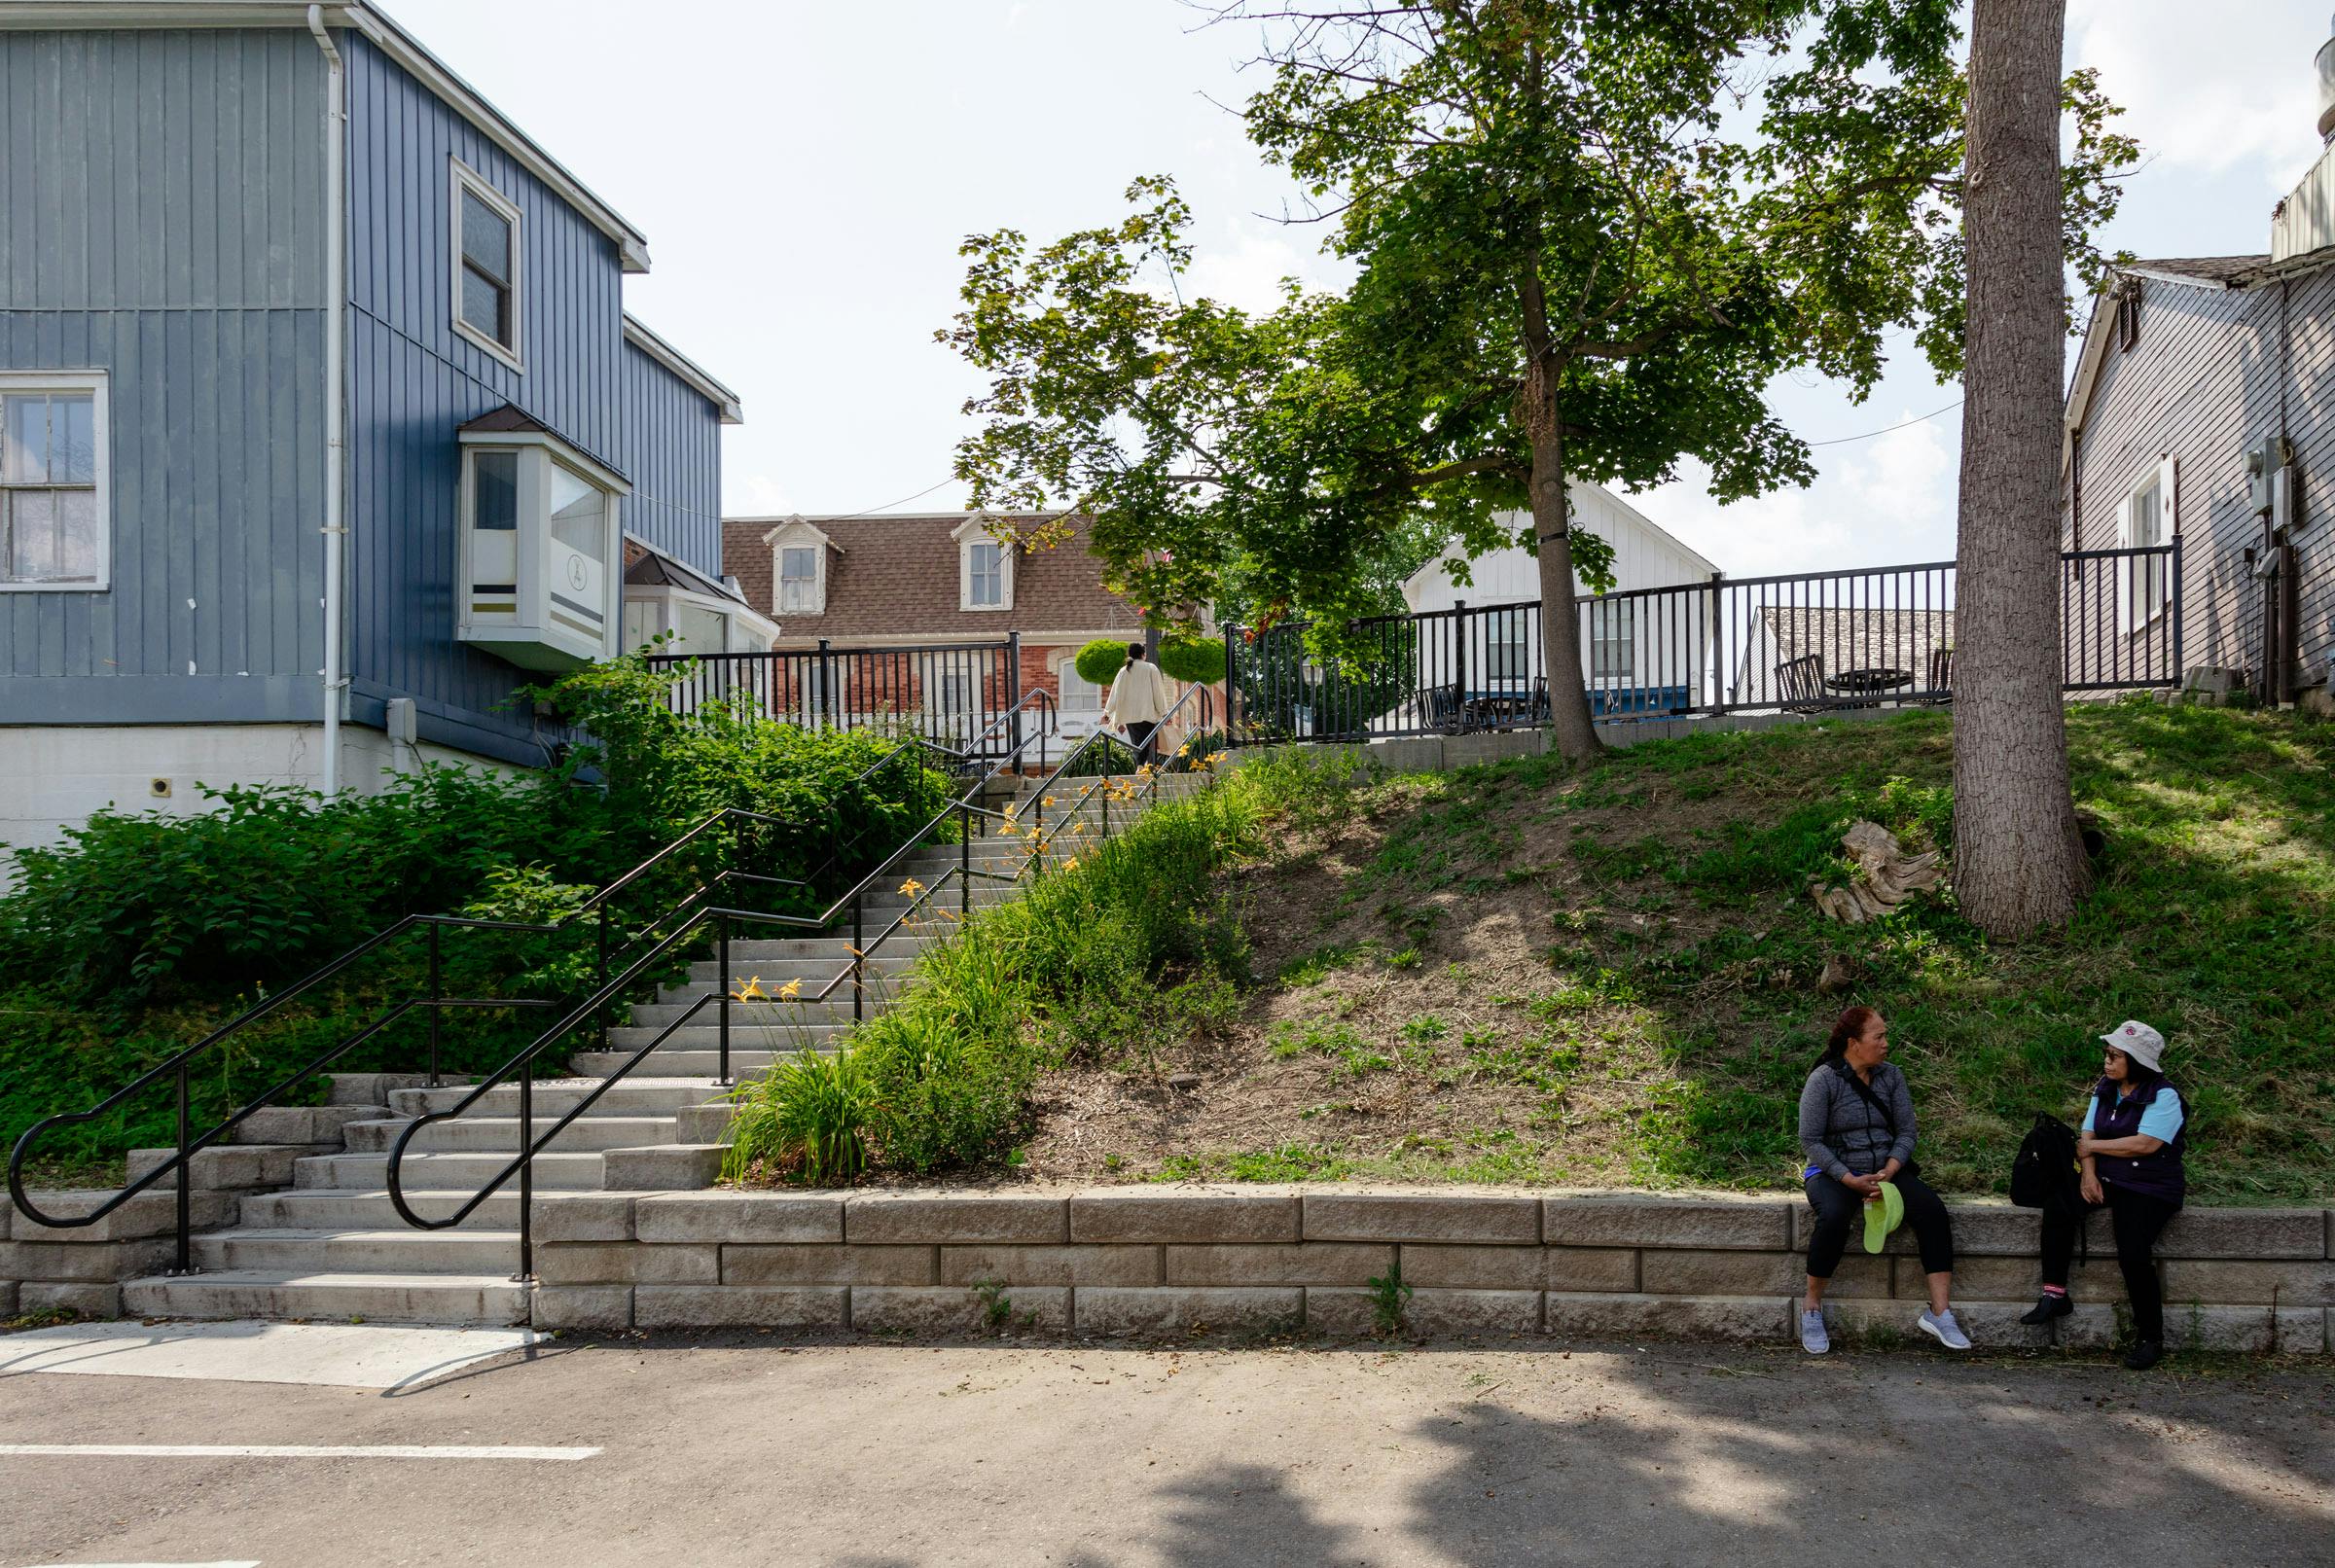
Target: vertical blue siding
(161, 218)
(672, 449)
(412, 382)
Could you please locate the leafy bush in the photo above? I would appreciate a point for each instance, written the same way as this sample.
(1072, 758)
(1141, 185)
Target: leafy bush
(1193, 660)
(1100, 660)
(1106, 758)
(140, 933)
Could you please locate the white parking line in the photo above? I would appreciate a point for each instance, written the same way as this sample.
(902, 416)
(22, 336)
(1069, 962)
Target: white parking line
(284, 1450)
(252, 1564)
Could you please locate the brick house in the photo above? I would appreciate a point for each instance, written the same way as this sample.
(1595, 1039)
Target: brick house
(932, 591)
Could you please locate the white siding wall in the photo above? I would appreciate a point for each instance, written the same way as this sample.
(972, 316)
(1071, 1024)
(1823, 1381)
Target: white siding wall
(1668, 648)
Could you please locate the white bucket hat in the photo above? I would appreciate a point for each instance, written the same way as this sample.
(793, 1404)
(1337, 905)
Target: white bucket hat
(2139, 1042)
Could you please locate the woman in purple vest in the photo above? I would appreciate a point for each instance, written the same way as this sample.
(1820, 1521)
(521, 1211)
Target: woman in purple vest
(2131, 1148)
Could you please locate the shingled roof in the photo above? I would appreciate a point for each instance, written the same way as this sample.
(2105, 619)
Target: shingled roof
(2224, 271)
(897, 576)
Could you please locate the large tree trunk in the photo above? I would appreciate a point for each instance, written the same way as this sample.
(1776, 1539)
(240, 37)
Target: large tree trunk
(1560, 617)
(2018, 859)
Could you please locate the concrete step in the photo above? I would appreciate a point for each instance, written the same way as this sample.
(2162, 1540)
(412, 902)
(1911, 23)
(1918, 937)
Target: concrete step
(744, 1064)
(400, 1251)
(231, 1167)
(459, 1174)
(278, 1296)
(352, 1209)
(371, 1089)
(893, 957)
(300, 1124)
(642, 1094)
(471, 1132)
(707, 1036)
(781, 1020)
(829, 951)
(706, 1124)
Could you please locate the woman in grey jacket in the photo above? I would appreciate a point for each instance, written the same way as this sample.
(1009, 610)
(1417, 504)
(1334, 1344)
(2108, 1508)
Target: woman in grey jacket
(1856, 1130)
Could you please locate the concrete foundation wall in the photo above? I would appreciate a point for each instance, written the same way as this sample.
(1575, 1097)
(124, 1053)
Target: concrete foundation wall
(53, 776)
(1163, 1260)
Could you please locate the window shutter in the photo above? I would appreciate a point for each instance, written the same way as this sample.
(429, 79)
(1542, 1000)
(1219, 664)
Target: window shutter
(2124, 565)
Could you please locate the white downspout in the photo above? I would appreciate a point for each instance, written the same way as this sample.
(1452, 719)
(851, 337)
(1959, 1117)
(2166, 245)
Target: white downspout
(335, 269)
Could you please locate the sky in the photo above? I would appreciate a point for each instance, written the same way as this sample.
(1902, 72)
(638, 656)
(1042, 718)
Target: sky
(804, 173)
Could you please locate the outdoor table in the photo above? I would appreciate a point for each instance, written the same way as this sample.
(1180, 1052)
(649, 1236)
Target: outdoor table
(1869, 683)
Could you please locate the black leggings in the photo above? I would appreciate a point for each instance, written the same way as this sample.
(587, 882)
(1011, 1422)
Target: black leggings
(1839, 1208)
(2136, 1219)
(1139, 736)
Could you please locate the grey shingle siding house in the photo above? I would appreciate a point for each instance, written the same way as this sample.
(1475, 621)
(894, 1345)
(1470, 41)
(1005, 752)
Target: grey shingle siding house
(175, 339)
(2202, 406)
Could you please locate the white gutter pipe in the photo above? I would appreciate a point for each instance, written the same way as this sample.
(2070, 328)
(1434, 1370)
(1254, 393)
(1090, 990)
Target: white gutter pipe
(336, 526)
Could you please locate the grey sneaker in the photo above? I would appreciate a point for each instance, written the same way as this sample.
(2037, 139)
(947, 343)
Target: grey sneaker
(1940, 1326)
(1813, 1337)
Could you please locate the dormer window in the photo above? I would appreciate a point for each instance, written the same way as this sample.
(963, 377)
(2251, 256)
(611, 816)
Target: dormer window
(801, 557)
(985, 570)
(798, 580)
(985, 579)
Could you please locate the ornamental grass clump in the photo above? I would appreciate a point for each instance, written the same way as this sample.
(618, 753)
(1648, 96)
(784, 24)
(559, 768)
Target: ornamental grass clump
(810, 1118)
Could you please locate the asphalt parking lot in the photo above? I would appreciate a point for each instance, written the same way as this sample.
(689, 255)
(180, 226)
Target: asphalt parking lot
(749, 1449)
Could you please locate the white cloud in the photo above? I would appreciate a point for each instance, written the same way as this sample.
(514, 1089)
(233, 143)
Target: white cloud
(766, 497)
(1248, 271)
(2209, 89)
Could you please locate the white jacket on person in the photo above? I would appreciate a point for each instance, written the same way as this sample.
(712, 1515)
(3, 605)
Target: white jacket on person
(1139, 694)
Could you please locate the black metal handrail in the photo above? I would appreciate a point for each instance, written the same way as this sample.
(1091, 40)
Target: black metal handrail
(178, 1066)
(595, 908)
(1207, 717)
(521, 1064)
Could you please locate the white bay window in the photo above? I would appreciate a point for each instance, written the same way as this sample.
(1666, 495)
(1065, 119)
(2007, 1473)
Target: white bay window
(539, 546)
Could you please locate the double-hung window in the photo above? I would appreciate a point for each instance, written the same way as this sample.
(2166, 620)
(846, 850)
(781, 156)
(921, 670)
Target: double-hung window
(1504, 646)
(985, 568)
(798, 580)
(486, 259)
(53, 481)
(2145, 521)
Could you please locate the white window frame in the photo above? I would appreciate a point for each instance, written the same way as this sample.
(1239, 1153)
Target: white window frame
(1066, 670)
(2138, 610)
(1505, 629)
(811, 588)
(467, 179)
(975, 531)
(797, 534)
(93, 382)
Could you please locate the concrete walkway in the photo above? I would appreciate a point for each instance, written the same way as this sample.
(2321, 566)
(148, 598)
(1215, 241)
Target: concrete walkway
(760, 1450)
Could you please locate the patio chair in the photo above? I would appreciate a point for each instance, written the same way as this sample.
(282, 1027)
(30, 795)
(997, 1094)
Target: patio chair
(1940, 686)
(1540, 699)
(1800, 683)
(1446, 711)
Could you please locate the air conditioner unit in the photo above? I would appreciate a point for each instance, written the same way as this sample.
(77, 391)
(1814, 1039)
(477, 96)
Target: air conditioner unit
(2263, 460)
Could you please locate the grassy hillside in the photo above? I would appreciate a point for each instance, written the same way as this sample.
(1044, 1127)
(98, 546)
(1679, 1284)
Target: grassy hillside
(1522, 972)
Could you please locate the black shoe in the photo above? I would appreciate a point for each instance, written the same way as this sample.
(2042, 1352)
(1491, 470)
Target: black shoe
(2046, 1307)
(2143, 1355)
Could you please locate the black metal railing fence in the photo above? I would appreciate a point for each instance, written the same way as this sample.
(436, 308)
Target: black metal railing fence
(1798, 642)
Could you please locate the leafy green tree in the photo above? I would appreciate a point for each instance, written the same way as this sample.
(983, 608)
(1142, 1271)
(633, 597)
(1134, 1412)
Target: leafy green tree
(1586, 239)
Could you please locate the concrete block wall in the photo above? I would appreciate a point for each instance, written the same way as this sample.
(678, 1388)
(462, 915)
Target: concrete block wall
(1147, 1260)
(52, 1268)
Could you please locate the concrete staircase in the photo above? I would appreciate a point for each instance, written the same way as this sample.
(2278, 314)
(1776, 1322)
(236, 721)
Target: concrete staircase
(330, 1245)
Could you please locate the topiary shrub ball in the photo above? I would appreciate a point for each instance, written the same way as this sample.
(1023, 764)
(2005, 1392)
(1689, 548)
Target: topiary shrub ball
(1195, 661)
(1100, 660)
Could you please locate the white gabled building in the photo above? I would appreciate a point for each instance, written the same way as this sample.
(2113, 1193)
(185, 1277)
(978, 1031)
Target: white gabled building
(1644, 653)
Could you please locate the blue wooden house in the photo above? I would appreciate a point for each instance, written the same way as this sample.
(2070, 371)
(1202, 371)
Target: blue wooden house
(325, 427)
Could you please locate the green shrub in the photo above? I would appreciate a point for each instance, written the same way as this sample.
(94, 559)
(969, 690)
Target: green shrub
(810, 1115)
(1106, 758)
(1193, 660)
(1101, 660)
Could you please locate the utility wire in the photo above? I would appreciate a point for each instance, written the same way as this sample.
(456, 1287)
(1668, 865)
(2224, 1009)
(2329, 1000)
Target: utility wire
(903, 501)
(1885, 430)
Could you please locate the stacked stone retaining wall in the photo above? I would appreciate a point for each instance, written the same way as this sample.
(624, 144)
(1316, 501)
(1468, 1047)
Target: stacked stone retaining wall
(1152, 1260)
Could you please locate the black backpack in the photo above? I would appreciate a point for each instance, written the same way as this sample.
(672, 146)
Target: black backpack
(2045, 1175)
